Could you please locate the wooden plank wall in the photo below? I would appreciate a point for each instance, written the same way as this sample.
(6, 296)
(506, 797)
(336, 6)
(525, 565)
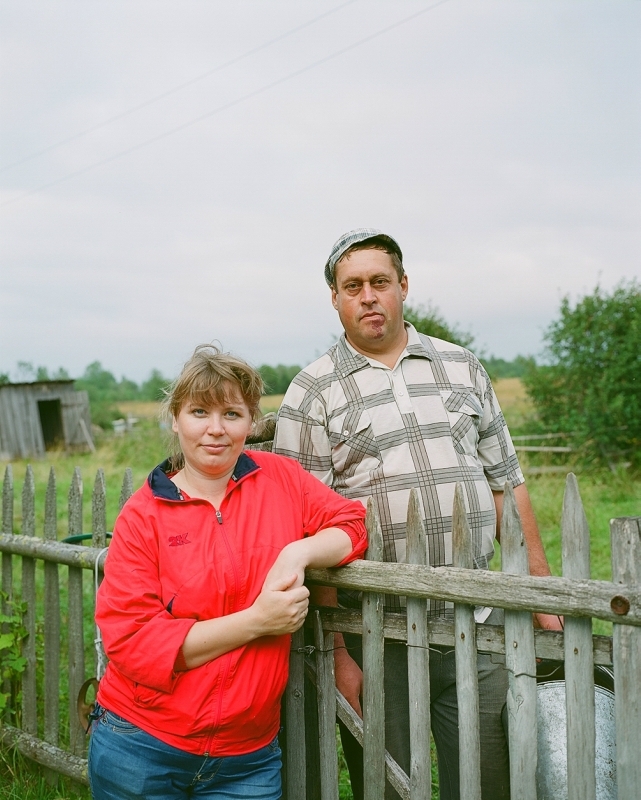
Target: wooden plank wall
(20, 428)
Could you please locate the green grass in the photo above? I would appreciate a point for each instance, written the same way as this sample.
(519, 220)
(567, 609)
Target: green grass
(21, 779)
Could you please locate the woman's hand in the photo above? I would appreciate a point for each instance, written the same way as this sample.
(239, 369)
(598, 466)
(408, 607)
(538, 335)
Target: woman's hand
(324, 549)
(289, 566)
(280, 608)
(282, 605)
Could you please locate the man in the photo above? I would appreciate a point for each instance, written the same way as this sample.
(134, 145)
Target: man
(387, 409)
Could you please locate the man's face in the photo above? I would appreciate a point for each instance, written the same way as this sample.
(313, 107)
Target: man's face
(369, 299)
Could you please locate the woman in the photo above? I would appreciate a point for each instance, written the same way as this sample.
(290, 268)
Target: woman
(203, 585)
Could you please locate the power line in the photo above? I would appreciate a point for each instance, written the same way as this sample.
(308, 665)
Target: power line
(226, 106)
(175, 89)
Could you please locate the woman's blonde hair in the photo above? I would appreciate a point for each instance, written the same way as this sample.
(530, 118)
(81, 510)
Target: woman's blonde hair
(212, 377)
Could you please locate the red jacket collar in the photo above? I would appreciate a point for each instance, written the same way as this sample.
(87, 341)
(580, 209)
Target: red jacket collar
(164, 488)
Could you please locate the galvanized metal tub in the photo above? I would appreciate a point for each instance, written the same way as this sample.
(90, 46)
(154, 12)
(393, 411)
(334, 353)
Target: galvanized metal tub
(552, 773)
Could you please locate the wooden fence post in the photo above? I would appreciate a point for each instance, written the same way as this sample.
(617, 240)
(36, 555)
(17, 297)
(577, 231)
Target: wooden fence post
(98, 539)
(127, 488)
(76, 634)
(7, 527)
(51, 620)
(626, 568)
(99, 511)
(326, 697)
(418, 662)
(295, 761)
(520, 661)
(7, 570)
(467, 684)
(579, 662)
(373, 681)
(29, 706)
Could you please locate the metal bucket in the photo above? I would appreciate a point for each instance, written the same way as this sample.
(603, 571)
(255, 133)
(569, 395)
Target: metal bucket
(552, 772)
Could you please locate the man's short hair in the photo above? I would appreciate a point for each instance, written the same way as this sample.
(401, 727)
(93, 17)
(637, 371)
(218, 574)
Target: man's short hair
(363, 239)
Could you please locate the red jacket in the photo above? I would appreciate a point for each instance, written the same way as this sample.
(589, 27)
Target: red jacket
(173, 561)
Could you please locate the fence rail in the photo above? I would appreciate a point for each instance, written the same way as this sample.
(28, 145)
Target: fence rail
(33, 571)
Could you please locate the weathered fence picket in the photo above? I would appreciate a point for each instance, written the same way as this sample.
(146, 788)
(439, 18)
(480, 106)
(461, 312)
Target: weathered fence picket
(326, 699)
(579, 663)
(575, 595)
(418, 662)
(467, 690)
(76, 655)
(7, 571)
(626, 569)
(295, 766)
(373, 679)
(51, 621)
(127, 488)
(520, 662)
(29, 710)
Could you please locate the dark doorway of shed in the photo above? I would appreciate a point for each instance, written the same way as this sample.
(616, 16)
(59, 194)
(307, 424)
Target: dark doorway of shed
(51, 423)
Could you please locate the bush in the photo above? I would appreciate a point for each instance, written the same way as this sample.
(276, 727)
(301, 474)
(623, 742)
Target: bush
(277, 379)
(430, 322)
(500, 368)
(591, 386)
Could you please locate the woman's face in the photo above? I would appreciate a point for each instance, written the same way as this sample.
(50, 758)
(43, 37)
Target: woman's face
(212, 438)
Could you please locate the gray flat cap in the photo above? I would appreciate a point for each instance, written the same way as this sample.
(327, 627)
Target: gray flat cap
(350, 238)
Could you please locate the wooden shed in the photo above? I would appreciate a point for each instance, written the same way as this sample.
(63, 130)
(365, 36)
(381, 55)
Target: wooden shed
(43, 415)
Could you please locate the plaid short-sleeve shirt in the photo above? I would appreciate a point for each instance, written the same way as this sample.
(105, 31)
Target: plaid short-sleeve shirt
(430, 422)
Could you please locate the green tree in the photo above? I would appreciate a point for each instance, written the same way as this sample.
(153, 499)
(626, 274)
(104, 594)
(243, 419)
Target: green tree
(277, 379)
(102, 388)
(101, 384)
(500, 368)
(153, 387)
(428, 320)
(591, 386)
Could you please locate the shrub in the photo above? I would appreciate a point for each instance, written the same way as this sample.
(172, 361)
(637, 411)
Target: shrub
(430, 322)
(591, 386)
(277, 379)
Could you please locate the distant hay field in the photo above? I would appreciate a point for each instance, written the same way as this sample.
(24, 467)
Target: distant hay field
(150, 410)
(271, 402)
(139, 408)
(510, 391)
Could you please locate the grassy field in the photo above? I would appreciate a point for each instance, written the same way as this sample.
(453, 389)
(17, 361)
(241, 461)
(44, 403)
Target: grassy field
(605, 495)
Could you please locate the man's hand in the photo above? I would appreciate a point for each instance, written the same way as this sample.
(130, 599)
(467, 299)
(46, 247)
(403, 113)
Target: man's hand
(349, 676)
(549, 622)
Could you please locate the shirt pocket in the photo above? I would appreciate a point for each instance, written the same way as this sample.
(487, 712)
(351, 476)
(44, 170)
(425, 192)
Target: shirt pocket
(354, 446)
(464, 412)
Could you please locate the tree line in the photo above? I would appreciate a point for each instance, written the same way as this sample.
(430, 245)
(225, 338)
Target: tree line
(587, 384)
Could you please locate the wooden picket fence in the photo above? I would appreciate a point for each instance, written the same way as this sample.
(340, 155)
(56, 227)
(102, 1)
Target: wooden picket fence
(36, 727)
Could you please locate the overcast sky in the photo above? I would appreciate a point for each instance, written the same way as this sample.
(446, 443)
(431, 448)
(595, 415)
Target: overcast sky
(498, 142)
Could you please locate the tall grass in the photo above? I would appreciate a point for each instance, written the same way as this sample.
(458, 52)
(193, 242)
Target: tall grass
(21, 779)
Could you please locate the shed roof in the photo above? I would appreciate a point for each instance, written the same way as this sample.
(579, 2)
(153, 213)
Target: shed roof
(39, 383)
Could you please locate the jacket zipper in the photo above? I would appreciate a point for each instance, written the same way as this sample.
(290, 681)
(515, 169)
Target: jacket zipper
(219, 517)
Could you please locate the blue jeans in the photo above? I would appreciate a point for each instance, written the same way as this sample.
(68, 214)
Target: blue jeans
(125, 763)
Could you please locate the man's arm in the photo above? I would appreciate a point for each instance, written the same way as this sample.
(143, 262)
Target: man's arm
(349, 676)
(536, 554)
(293, 428)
